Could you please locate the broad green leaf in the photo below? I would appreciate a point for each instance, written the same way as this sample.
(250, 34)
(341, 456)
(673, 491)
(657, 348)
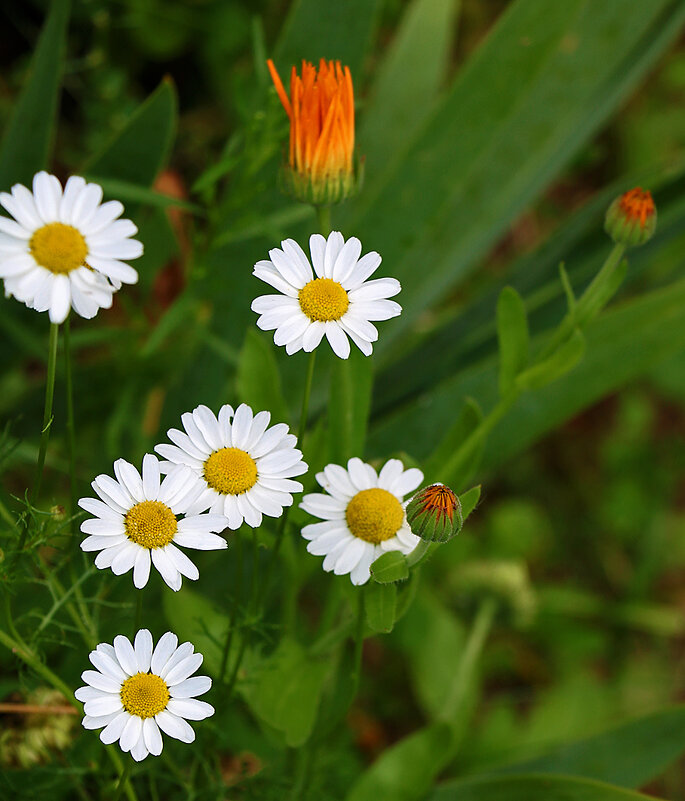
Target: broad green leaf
(407, 81)
(513, 338)
(446, 203)
(432, 639)
(258, 379)
(28, 137)
(629, 755)
(195, 618)
(562, 361)
(469, 501)
(348, 407)
(466, 423)
(406, 770)
(390, 567)
(286, 691)
(140, 149)
(380, 604)
(533, 788)
(316, 29)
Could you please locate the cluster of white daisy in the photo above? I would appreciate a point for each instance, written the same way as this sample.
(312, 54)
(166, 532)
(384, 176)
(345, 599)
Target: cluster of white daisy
(66, 249)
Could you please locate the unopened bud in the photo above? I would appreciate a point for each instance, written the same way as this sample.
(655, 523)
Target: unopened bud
(58, 512)
(321, 168)
(631, 218)
(434, 514)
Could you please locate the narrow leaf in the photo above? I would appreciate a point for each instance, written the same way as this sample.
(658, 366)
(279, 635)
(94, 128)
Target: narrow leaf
(140, 149)
(469, 501)
(534, 788)
(466, 423)
(513, 338)
(28, 138)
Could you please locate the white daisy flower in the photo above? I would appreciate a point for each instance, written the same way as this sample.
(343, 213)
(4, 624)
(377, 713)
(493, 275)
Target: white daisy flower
(335, 300)
(137, 522)
(135, 691)
(65, 249)
(363, 514)
(246, 467)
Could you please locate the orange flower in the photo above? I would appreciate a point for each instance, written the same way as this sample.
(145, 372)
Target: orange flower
(631, 218)
(320, 166)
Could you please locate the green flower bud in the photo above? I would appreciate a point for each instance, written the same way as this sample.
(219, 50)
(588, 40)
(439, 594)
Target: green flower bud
(434, 514)
(631, 218)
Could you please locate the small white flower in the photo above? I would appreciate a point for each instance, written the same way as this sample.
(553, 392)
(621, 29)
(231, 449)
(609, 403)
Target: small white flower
(135, 691)
(65, 249)
(363, 513)
(337, 300)
(137, 522)
(245, 467)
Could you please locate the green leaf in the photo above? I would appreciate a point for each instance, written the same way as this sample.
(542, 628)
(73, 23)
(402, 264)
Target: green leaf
(390, 567)
(141, 148)
(562, 361)
(406, 81)
(132, 193)
(258, 379)
(286, 691)
(469, 501)
(28, 137)
(432, 639)
(406, 770)
(533, 788)
(195, 618)
(468, 420)
(348, 407)
(327, 29)
(630, 755)
(453, 193)
(513, 338)
(380, 604)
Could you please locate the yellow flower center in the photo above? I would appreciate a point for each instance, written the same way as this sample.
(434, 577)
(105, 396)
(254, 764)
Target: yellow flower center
(59, 248)
(150, 524)
(374, 515)
(323, 299)
(230, 471)
(144, 695)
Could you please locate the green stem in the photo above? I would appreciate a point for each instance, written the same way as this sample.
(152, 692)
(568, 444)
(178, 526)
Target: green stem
(47, 411)
(358, 644)
(305, 399)
(323, 215)
(139, 611)
(124, 779)
(71, 437)
(584, 311)
(19, 648)
(235, 601)
(309, 379)
(480, 629)
(422, 550)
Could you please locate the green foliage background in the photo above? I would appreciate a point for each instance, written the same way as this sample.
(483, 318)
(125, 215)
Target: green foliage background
(495, 135)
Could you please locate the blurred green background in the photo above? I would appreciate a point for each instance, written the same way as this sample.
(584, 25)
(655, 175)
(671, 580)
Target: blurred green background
(483, 167)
